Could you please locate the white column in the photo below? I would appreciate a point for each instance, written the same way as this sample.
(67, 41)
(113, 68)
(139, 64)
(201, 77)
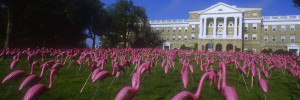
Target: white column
(240, 27)
(235, 28)
(225, 28)
(204, 28)
(200, 35)
(215, 27)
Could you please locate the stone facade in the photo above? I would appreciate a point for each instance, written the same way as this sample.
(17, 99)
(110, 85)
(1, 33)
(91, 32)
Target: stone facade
(231, 29)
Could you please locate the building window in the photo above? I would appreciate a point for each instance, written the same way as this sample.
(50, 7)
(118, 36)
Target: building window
(245, 36)
(282, 38)
(162, 38)
(266, 28)
(194, 17)
(292, 28)
(173, 37)
(174, 29)
(179, 37)
(193, 36)
(167, 37)
(292, 38)
(254, 14)
(274, 28)
(282, 28)
(253, 36)
(168, 29)
(210, 24)
(231, 23)
(185, 29)
(245, 49)
(193, 27)
(266, 38)
(246, 27)
(245, 14)
(254, 50)
(220, 9)
(162, 29)
(185, 38)
(179, 29)
(157, 29)
(274, 38)
(254, 26)
(220, 24)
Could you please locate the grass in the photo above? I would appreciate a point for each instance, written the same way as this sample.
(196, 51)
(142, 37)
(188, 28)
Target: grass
(155, 86)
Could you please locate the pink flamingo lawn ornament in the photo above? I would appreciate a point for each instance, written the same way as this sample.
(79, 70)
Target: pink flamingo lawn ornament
(228, 93)
(39, 89)
(32, 79)
(18, 74)
(15, 61)
(184, 76)
(262, 83)
(185, 95)
(128, 92)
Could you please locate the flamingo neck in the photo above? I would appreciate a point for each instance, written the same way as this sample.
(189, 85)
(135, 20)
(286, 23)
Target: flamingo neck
(138, 80)
(219, 81)
(51, 79)
(65, 60)
(224, 74)
(114, 67)
(32, 68)
(197, 95)
(258, 73)
(42, 72)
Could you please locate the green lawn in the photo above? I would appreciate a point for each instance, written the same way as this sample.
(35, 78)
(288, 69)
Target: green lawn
(154, 86)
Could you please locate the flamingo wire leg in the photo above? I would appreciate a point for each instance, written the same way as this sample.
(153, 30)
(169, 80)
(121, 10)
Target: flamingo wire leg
(69, 64)
(112, 82)
(245, 83)
(96, 91)
(133, 70)
(8, 90)
(85, 82)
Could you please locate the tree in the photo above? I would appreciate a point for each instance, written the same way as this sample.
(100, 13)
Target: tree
(98, 20)
(296, 3)
(126, 18)
(12, 7)
(51, 23)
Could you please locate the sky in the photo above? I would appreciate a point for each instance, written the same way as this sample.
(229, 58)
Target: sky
(178, 9)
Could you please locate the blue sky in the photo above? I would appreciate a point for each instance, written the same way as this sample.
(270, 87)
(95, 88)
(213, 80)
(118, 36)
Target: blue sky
(178, 9)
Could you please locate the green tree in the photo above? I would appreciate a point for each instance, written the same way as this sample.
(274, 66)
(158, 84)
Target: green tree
(126, 18)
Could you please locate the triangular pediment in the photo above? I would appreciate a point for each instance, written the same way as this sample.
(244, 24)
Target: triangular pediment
(221, 8)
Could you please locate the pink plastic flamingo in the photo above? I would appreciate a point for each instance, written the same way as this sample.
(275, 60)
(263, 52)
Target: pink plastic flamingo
(262, 83)
(128, 92)
(228, 93)
(39, 89)
(32, 79)
(15, 75)
(185, 95)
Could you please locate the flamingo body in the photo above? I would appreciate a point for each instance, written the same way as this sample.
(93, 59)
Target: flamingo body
(30, 81)
(263, 84)
(127, 93)
(229, 93)
(101, 75)
(185, 78)
(35, 92)
(15, 75)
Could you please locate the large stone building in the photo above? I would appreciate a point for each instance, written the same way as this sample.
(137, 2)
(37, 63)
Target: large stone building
(231, 29)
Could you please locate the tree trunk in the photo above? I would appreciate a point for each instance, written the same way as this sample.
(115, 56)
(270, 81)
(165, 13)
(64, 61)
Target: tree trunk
(8, 30)
(94, 40)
